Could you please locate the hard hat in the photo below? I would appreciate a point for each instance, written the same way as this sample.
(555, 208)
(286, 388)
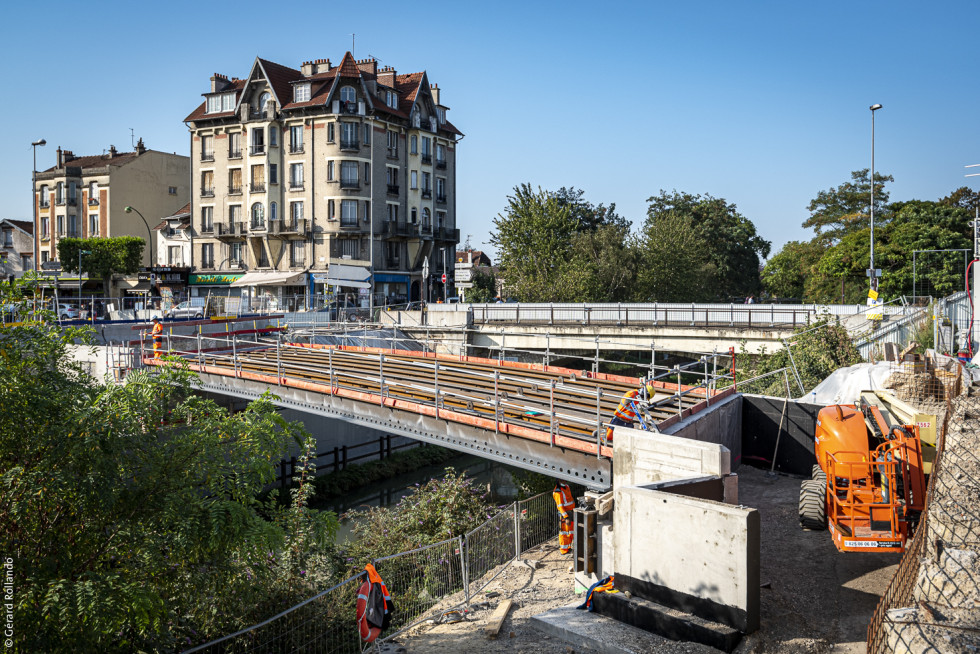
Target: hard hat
(155, 319)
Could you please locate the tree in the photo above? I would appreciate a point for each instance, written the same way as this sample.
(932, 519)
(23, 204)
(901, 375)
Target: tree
(730, 242)
(589, 216)
(484, 285)
(786, 272)
(132, 508)
(603, 264)
(107, 256)
(839, 211)
(671, 263)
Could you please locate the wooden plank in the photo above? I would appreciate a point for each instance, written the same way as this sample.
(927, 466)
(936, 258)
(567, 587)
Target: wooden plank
(497, 619)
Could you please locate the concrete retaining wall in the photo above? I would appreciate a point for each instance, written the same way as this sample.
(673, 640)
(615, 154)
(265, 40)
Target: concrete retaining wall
(760, 425)
(691, 554)
(720, 423)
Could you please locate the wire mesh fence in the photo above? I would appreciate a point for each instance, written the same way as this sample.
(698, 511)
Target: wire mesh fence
(438, 577)
(323, 623)
(934, 590)
(420, 578)
(492, 544)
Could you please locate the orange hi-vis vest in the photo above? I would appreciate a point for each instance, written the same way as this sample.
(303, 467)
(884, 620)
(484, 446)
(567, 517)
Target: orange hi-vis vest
(625, 409)
(563, 498)
(369, 624)
(566, 503)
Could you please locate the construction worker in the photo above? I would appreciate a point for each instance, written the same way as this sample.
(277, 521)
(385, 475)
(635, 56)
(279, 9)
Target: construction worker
(157, 333)
(625, 413)
(566, 503)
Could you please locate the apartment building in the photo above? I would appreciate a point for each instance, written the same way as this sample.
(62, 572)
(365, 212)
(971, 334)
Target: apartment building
(173, 239)
(16, 248)
(87, 196)
(331, 178)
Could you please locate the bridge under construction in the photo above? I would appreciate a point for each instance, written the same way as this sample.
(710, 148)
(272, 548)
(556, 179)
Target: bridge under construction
(542, 418)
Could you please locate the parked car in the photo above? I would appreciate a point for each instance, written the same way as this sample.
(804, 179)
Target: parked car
(340, 311)
(186, 310)
(67, 312)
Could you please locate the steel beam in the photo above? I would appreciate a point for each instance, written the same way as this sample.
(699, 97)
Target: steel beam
(568, 465)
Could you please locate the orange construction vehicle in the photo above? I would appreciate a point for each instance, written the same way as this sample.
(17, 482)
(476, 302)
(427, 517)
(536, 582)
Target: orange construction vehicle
(868, 485)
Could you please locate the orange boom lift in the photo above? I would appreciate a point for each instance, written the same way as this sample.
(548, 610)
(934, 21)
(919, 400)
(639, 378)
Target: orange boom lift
(868, 486)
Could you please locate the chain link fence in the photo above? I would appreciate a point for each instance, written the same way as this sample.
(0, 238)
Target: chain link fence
(930, 603)
(423, 582)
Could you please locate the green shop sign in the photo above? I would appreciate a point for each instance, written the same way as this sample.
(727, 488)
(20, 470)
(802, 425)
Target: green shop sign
(215, 278)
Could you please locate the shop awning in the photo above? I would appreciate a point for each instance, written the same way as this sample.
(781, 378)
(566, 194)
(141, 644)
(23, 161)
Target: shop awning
(270, 278)
(352, 276)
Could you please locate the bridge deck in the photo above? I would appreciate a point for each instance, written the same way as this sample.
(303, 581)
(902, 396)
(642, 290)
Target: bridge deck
(555, 406)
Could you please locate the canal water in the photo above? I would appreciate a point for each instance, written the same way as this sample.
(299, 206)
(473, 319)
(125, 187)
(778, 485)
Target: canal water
(496, 477)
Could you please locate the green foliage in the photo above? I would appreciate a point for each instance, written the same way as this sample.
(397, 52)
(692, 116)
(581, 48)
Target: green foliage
(730, 242)
(819, 350)
(358, 475)
(131, 509)
(786, 273)
(107, 256)
(437, 510)
(484, 285)
(672, 265)
(842, 210)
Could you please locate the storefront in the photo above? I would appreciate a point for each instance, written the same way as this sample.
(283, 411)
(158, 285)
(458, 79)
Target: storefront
(353, 283)
(171, 284)
(273, 291)
(391, 288)
(217, 291)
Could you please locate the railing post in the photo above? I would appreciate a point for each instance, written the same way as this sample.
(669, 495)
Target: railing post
(343, 454)
(381, 374)
(595, 363)
(551, 424)
(680, 398)
(381, 448)
(388, 445)
(464, 562)
(517, 533)
(547, 348)
(336, 459)
(496, 402)
(330, 369)
(279, 358)
(435, 398)
(692, 314)
(200, 352)
(234, 354)
(598, 422)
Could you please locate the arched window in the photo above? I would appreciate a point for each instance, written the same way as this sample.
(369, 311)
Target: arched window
(273, 211)
(347, 94)
(258, 215)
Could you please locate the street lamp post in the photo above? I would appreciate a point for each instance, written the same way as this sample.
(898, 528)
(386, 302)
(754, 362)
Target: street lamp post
(148, 233)
(37, 234)
(872, 272)
(80, 253)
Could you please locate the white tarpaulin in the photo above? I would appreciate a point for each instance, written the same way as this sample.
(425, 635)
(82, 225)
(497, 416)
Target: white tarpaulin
(269, 278)
(353, 276)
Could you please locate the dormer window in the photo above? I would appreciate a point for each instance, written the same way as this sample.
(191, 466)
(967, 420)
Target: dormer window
(220, 102)
(392, 100)
(347, 94)
(301, 92)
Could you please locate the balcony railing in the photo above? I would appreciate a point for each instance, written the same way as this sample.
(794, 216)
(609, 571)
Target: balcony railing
(349, 184)
(395, 228)
(441, 199)
(207, 228)
(427, 227)
(230, 230)
(257, 225)
(298, 226)
(348, 108)
(348, 223)
(426, 158)
(92, 202)
(349, 144)
(392, 153)
(427, 193)
(392, 189)
(44, 204)
(296, 186)
(59, 201)
(256, 188)
(447, 234)
(207, 156)
(235, 154)
(234, 190)
(440, 163)
(72, 202)
(207, 192)
(257, 149)
(296, 149)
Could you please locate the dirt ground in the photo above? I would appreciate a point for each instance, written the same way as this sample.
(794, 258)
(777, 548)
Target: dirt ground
(813, 598)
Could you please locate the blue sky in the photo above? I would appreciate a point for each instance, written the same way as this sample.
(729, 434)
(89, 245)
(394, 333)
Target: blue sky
(761, 103)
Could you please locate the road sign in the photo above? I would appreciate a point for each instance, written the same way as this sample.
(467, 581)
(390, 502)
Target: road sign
(443, 278)
(464, 284)
(464, 274)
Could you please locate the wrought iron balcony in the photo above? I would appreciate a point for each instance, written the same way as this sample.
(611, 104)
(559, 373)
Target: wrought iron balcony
(257, 149)
(207, 228)
(296, 186)
(426, 158)
(392, 189)
(207, 156)
(441, 199)
(349, 144)
(440, 163)
(232, 190)
(296, 227)
(427, 193)
(235, 154)
(92, 202)
(230, 230)
(207, 192)
(296, 149)
(44, 204)
(256, 188)
(349, 184)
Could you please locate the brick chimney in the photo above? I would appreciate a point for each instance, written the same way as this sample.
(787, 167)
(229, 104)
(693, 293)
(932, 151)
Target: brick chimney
(140, 148)
(387, 76)
(316, 66)
(219, 82)
(435, 93)
(368, 66)
(112, 151)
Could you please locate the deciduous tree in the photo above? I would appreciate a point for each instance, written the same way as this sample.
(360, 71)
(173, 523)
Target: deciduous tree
(839, 211)
(106, 256)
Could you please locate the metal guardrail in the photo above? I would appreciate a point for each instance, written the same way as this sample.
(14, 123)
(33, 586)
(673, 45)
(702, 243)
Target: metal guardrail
(418, 581)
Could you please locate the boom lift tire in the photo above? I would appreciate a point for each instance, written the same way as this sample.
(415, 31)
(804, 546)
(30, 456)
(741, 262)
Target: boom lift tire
(817, 474)
(813, 504)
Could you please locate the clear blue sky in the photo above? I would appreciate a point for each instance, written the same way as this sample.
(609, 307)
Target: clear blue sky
(761, 103)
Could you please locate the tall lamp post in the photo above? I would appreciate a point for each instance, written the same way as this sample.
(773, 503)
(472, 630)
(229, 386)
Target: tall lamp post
(871, 271)
(37, 235)
(148, 233)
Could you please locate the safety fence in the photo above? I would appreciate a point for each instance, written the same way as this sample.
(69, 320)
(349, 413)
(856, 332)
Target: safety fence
(424, 583)
(339, 457)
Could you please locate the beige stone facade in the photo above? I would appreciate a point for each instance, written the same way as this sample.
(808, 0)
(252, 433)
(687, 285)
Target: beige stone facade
(322, 171)
(16, 248)
(87, 196)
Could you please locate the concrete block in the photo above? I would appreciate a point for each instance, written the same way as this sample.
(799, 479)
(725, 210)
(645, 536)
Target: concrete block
(691, 554)
(644, 457)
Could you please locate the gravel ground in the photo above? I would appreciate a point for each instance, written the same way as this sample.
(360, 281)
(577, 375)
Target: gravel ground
(814, 599)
